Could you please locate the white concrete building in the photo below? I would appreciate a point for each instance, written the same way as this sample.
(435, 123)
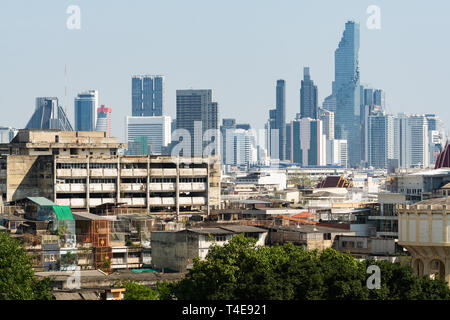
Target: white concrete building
(337, 152)
(156, 130)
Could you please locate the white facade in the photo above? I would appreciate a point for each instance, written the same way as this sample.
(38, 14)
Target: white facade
(241, 147)
(157, 130)
(337, 152)
(411, 140)
(7, 134)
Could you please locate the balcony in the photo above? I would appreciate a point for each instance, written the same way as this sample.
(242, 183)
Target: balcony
(99, 201)
(165, 201)
(103, 172)
(102, 187)
(73, 203)
(133, 172)
(135, 202)
(71, 173)
(71, 187)
(133, 187)
(194, 186)
(198, 200)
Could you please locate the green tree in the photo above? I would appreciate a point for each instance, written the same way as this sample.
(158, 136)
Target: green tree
(17, 280)
(398, 282)
(136, 291)
(243, 271)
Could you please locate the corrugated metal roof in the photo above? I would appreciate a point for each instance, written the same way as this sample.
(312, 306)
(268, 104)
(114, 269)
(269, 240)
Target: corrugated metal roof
(242, 229)
(210, 231)
(41, 201)
(90, 216)
(63, 213)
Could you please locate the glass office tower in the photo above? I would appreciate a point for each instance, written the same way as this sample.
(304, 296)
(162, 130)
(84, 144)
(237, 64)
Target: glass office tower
(86, 105)
(346, 88)
(147, 93)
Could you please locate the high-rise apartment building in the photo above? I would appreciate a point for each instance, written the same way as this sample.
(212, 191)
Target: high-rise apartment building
(241, 147)
(411, 140)
(346, 88)
(308, 97)
(380, 139)
(337, 152)
(199, 115)
(327, 118)
(147, 95)
(86, 105)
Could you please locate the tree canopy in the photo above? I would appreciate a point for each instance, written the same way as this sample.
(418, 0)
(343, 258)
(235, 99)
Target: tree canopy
(240, 270)
(17, 280)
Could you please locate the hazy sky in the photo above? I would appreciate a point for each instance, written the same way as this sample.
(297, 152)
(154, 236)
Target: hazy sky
(236, 48)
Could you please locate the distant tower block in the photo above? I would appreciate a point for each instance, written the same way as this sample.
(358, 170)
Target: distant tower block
(104, 120)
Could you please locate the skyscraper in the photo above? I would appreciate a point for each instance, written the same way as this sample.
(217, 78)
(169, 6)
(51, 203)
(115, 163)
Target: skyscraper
(411, 140)
(147, 95)
(337, 152)
(379, 98)
(280, 119)
(86, 104)
(49, 115)
(147, 135)
(308, 144)
(227, 124)
(198, 114)
(380, 139)
(329, 103)
(104, 120)
(327, 118)
(308, 96)
(347, 91)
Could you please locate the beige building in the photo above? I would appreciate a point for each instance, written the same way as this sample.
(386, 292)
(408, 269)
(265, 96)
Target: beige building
(84, 169)
(424, 231)
(176, 250)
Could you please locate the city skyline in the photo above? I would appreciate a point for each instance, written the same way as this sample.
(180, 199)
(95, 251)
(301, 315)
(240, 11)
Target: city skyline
(318, 54)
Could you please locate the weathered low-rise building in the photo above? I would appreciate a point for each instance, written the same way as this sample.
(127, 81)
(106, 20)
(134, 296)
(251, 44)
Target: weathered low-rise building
(177, 250)
(310, 236)
(83, 170)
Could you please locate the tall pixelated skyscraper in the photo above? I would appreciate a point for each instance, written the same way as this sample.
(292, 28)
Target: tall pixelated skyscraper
(346, 89)
(196, 109)
(147, 95)
(86, 104)
(308, 97)
(280, 118)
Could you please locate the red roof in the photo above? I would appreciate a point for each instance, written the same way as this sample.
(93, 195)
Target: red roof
(304, 214)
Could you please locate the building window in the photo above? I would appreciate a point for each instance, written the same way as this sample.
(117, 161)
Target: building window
(221, 238)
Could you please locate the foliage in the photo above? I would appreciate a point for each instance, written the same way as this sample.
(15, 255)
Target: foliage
(136, 291)
(106, 265)
(243, 271)
(17, 281)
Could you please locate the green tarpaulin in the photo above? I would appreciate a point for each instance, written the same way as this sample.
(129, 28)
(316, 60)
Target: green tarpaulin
(63, 213)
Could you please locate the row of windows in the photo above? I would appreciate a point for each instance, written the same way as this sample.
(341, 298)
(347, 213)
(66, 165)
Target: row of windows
(351, 244)
(71, 166)
(103, 181)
